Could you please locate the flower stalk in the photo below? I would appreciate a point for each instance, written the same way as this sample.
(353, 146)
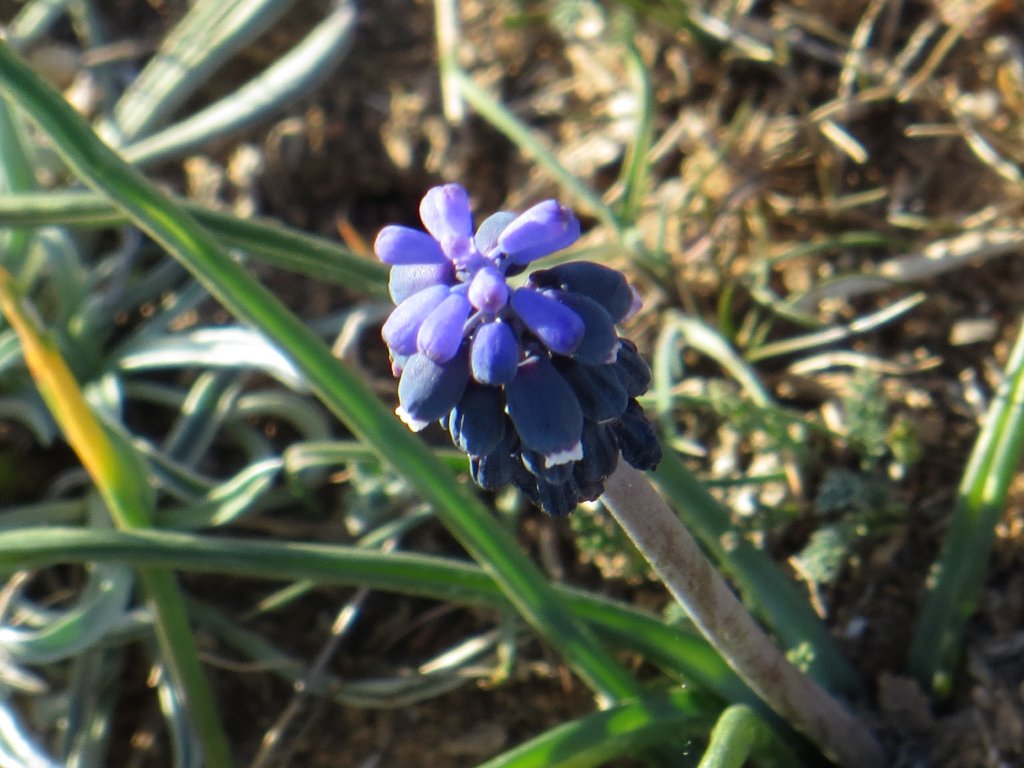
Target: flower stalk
(718, 614)
(536, 386)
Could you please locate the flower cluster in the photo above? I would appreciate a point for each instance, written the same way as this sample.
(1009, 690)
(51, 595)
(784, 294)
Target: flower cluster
(533, 382)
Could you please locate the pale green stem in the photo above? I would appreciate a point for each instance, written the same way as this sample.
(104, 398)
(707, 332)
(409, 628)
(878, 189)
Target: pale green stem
(721, 618)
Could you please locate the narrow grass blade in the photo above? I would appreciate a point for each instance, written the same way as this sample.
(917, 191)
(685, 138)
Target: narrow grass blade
(315, 453)
(296, 251)
(702, 337)
(312, 60)
(838, 333)
(16, 175)
(637, 164)
(740, 734)
(210, 33)
(307, 418)
(10, 350)
(32, 21)
(44, 513)
(95, 612)
(402, 690)
(959, 572)
(714, 34)
(219, 347)
(432, 577)
(120, 478)
(201, 415)
(519, 134)
(622, 731)
(341, 389)
(119, 481)
(773, 595)
(53, 258)
(18, 748)
(91, 701)
(446, 25)
(184, 745)
(80, 207)
(227, 502)
(271, 243)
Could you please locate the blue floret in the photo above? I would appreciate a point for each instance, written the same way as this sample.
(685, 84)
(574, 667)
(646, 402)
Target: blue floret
(533, 382)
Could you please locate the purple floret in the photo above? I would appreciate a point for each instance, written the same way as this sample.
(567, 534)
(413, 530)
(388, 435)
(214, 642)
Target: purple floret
(440, 336)
(544, 229)
(533, 382)
(403, 326)
(397, 245)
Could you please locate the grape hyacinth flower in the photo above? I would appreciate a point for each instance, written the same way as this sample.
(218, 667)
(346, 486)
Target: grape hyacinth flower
(533, 382)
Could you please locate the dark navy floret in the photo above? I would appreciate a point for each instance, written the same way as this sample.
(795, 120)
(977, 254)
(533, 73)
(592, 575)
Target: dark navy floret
(600, 343)
(600, 455)
(545, 411)
(429, 390)
(637, 439)
(552, 473)
(606, 286)
(532, 381)
(496, 469)
(526, 482)
(631, 369)
(477, 422)
(599, 391)
(558, 499)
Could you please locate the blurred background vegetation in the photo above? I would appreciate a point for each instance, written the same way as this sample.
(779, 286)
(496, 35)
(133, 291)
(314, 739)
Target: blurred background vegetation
(821, 203)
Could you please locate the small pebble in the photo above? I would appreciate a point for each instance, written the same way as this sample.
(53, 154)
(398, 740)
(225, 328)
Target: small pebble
(973, 331)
